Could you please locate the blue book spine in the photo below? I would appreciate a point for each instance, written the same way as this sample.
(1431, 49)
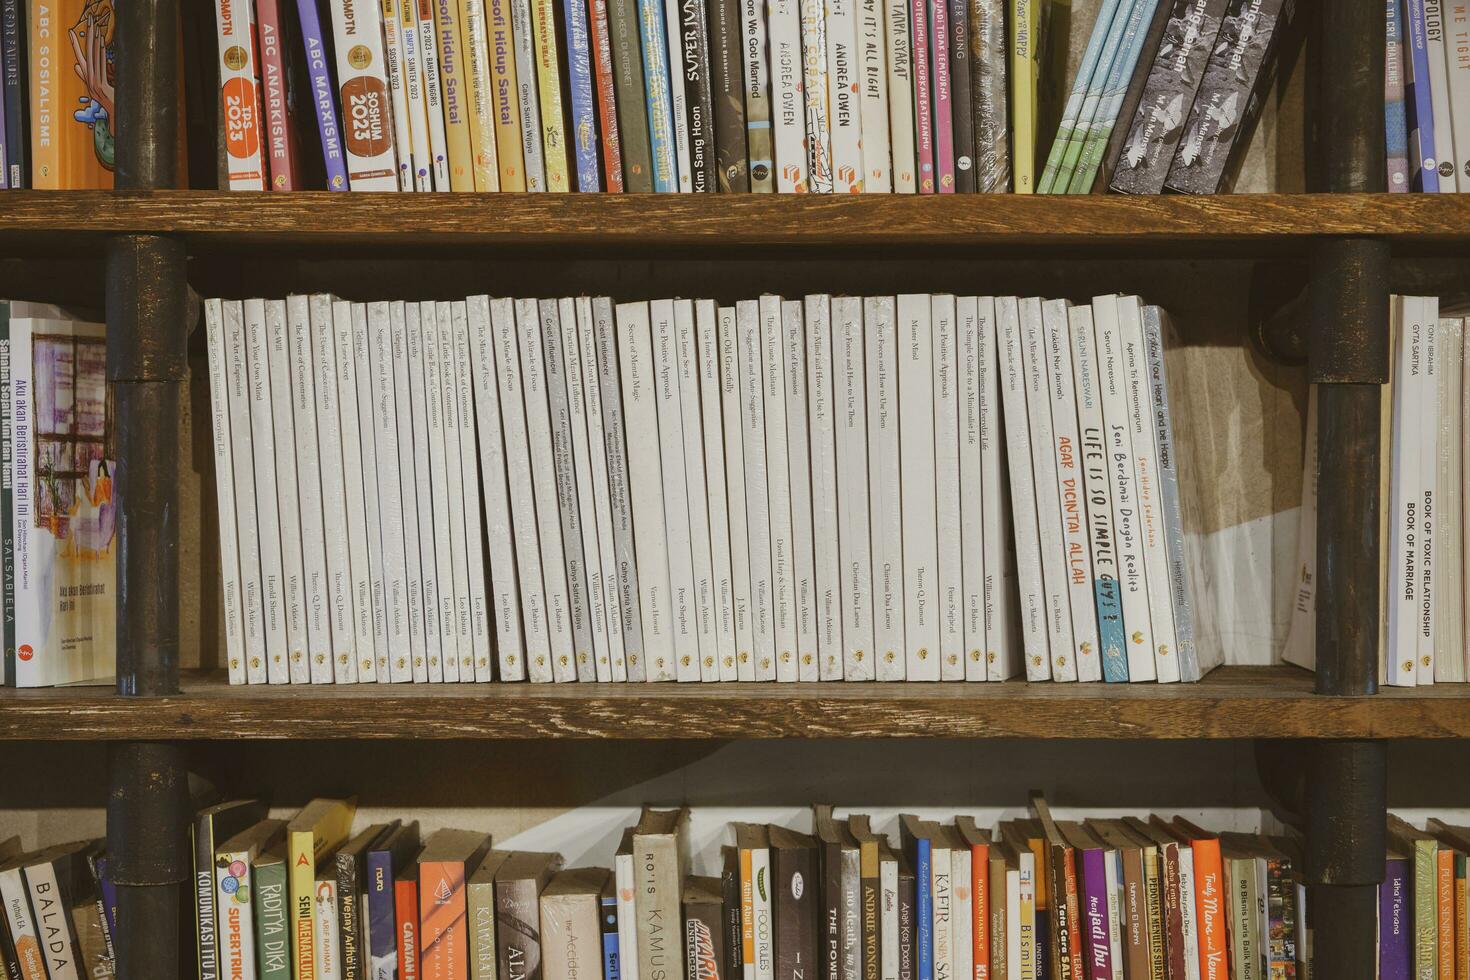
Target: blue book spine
(1418, 100)
(924, 885)
(321, 95)
(1395, 921)
(660, 100)
(382, 923)
(13, 44)
(584, 110)
(1110, 629)
(109, 894)
(611, 970)
(1395, 117)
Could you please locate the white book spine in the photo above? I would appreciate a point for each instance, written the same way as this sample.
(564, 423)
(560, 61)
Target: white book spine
(885, 494)
(1003, 646)
(686, 351)
(757, 498)
(684, 624)
(845, 89)
(573, 320)
(1112, 873)
(814, 92)
(390, 492)
(855, 556)
(1191, 920)
(941, 924)
(888, 913)
(394, 67)
(504, 590)
(1071, 491)
(756, 77)
(597, 457)
(803, 558)
(900, 96)
(419, 336)
(778, 487)
(615, 445)
(1403, 649)
(971, 477)
(338, 339)
(961, 918)
(1300, 647)
(363, 380)
(1427, 429)
(443, 482)
(1457, 53)
(340, 573)
(288, 510)
(1463, 408)
(1012, 378)
(362, 92)
(328, 931)
(1013, 922)
(224, 485)
(317, 583)
(646, 489)
(474, 659)
(1113, 383)
(1449, 624)
(788, 109)
(543, 480)
(949, 593)
(428, 55)
(262, 449)
(678, 96)
(873, 101)
(413, 557)
(763, 914)
(584, 667)
(734, 437)
(253, 594)
(1439, 91)
(534, 620)
(825, 530)
(1146, 473)
(916, 454)
(242, 124)
(626, 880)
(460, 628)
(527, 97)
(233, 894)
(711, 392)
(407, 29)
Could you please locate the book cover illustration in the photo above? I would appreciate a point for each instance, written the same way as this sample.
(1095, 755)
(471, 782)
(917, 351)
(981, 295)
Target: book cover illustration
(73, 115)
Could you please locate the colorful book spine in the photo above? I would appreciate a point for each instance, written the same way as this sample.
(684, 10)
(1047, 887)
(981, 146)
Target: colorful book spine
(757, 77)
(919, 28)
(1024, 43)
(659, 98)
(1114, 88)
(1439, 87)
(322, 96)
(13, 53)
(633, 129)
(426, 51)
(509, 159)
(239, 97)
(1394, 921)
(478, 71)
(607, 104)
(815, 70)
(611, 946)
(280, 134)
(456, 99)
(924, 910)
(402, 73)
(380, 913)
(580, 76)
(962, 95)
(406, 915)
(943, 96)
(1072, 111)
(362, 91)
(1097, 940)
(1395, 109)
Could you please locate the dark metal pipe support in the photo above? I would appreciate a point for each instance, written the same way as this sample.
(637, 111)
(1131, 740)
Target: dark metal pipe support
(147, 838)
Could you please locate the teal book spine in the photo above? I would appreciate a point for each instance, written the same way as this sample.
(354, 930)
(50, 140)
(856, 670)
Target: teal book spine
(273, 952)
(1101, 127)
(1086, 78)
(651, 32)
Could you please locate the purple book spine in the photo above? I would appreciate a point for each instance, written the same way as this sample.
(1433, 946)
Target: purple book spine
(321, 94)
(1393, 921)
(1420, 103)
(943, 99)
(1095, 894)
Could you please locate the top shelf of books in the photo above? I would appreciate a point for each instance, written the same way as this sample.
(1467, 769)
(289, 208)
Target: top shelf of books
(1246, 224)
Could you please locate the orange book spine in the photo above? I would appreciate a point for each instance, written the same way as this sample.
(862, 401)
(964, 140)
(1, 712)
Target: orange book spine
(1446, 910)
(73, 114)
(980, 895)
(747, 913)
(442, 942)
(406, 912)
(1209, 904)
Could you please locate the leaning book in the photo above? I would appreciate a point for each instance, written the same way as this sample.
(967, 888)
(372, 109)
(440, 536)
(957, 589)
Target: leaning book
(64, 515)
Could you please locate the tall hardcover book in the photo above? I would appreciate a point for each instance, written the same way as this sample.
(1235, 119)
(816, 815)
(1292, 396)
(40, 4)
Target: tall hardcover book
(362, 91)
(661, 861)
(633, 130)
(311, 835)
(699, 111)
(988, 62)
(240, 116)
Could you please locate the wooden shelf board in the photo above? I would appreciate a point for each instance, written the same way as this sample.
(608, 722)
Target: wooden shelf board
(233, 221)
(1232, 702)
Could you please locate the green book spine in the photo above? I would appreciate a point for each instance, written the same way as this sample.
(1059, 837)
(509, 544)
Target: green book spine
(480, 905)
(1426, 909)
(271, 947)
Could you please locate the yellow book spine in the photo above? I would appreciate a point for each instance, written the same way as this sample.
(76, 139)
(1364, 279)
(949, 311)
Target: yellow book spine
(482, 101)
(506, 113)
(548, 77)
(449, 30)
(1025, 45)
(73, 114)
(303, 890)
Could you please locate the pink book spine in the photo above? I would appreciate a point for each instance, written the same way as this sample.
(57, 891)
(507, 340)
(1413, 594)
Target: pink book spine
(280, 134)
(923, 114)
(943, 116)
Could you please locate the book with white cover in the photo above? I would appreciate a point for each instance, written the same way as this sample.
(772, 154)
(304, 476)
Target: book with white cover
(686, 355)
(474, 660)
(1439, 91)
(734, 437)
(798, 453)
(888, 914)
(438, 649)
(1012, 378)
(428, 56)
(885, 491)
(571, 349)
(778, 488)
(900, 96)
(711, 393)
(844, 57)
(1003, 646)
(1113, 384)
(444, 479)
(609, 380)
(1428, 432)
(973, 501)
(598, 453)
(407, 30)
(1146, 472)
(917, 473)
(342, 578)
(820, 388)
(949, 593)
(384, 432)
(413, 559)
(534, 620)
(646, 490)
(1070, 489)
(558, 400)
(314, 539)
(288, 512)
(1404, 504)
(526, 95)
(504, 591)
(458, 508)
(362, 92)
(395, 69)
(231, 594)
(1092, 458)
(788, 107)
(251, 533)
(757, 499)
(1048, 501)
(678, 97)
(872, 79)
(242, 125)
(362, 523)
(962, 913)
(543, 481)
(684, 624)
(362, 371)
(1300, 647)
(855, 557)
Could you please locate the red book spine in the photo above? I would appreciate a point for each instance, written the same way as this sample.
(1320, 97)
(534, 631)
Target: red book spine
(607, 106)
(280, 134)
(406, 910)
(980, 895)
(443, 944)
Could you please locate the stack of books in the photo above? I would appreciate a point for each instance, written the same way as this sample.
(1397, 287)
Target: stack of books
(1427, 96)
(921, 487)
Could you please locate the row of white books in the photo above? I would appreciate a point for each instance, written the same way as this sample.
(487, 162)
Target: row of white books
(576, 490)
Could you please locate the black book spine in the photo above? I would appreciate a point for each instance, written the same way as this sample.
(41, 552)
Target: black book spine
(727, 94)
(17, 110)
(699, 109)
(204, 920)
(1062, 927)
(730, 891)
(989, 95)
(960, 93)
(832, 918)
(908, 900)
(704, 940)
(795, 911)
(518, 930)
(627, 56)
(349, 918)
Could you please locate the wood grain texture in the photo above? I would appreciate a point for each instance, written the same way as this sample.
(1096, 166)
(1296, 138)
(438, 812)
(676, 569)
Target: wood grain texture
(1232, 702)
(235, 221)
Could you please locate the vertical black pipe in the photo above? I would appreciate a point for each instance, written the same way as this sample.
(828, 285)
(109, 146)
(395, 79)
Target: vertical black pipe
(146, 286)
